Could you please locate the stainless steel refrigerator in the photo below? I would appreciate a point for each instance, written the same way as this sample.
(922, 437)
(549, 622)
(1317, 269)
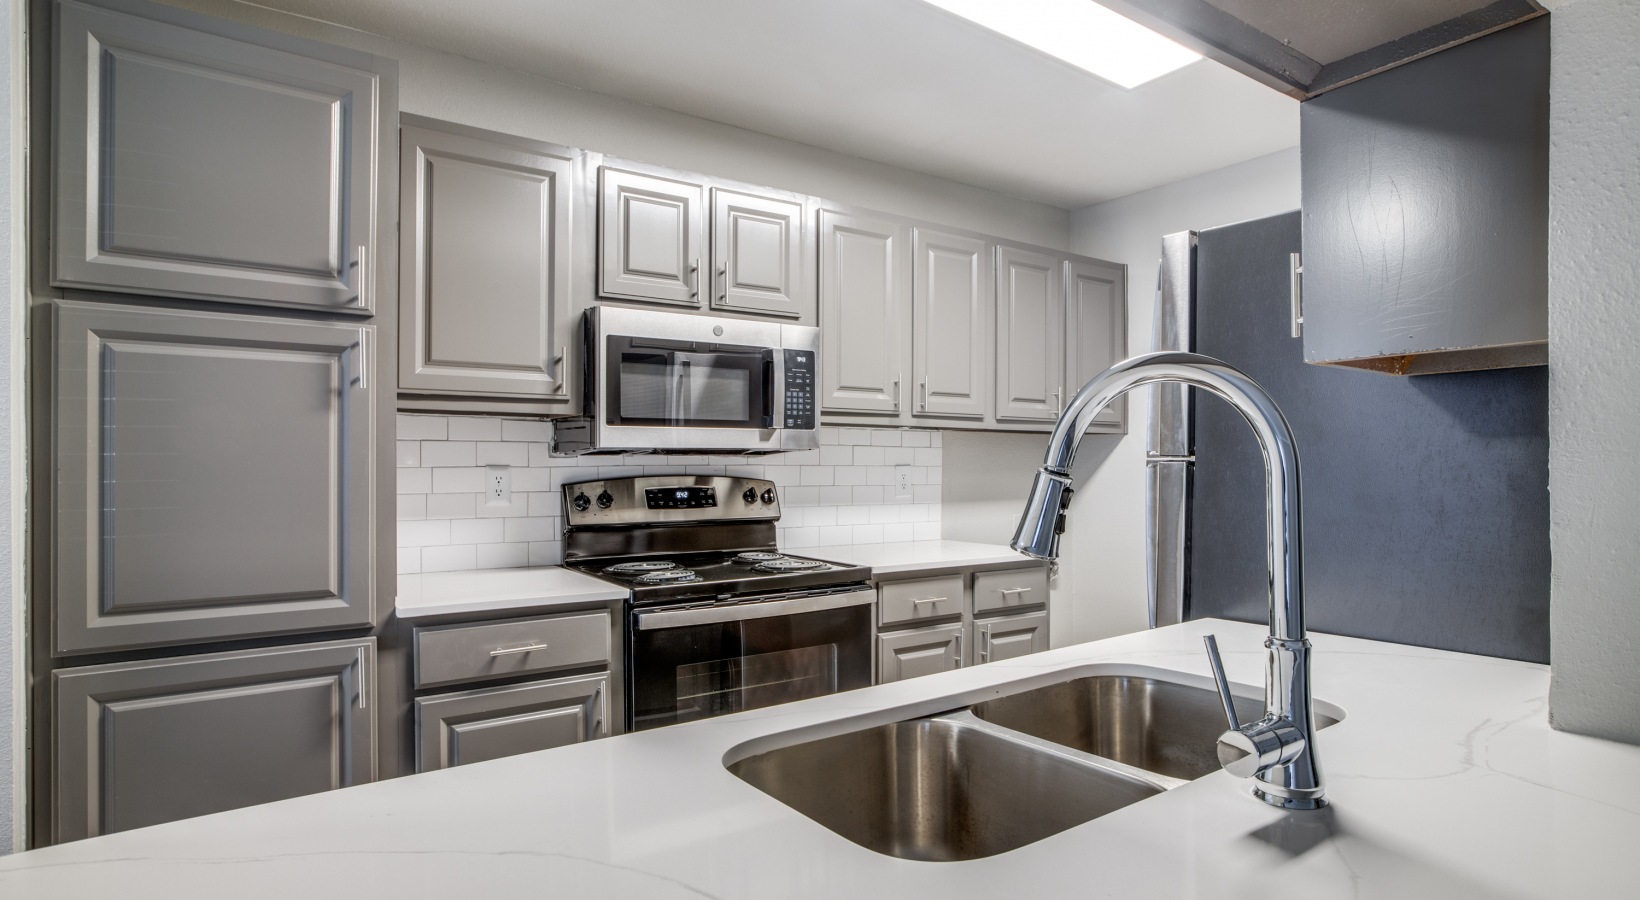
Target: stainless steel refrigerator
(1425, 499)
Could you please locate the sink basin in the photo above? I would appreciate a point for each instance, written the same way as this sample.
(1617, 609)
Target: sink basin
(938, 790)
(1159, 726)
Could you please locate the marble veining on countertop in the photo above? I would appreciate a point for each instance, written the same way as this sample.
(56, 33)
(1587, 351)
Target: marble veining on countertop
(903, 557)
(1445, 778)
(482, 590)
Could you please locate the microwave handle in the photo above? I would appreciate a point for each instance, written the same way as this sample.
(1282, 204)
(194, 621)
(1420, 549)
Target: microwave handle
(768, 392)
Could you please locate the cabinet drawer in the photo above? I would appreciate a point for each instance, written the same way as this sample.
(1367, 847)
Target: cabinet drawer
(489, 723)
(1010, 589)
(919, 598)
(456, 653)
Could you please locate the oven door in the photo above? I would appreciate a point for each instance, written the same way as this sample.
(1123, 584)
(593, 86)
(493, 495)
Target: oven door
(688, 663)
(680, 384)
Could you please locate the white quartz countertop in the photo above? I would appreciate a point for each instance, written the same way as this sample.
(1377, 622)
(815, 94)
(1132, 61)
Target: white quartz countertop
(540, 587)
(906, 557)
(1445, 779)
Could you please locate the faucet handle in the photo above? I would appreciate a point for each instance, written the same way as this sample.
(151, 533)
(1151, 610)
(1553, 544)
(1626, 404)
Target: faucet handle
(1225, 697)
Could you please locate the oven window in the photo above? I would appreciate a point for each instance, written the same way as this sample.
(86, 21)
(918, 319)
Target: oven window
(653, 383)
(753, 682)
(654, 388)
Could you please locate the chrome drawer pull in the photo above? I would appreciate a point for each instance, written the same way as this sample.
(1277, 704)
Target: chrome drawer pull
(525, 649)
(1009, 592)
(931, 600)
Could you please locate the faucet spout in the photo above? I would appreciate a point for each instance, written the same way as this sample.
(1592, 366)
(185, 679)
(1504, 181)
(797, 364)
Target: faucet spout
(1284, 763)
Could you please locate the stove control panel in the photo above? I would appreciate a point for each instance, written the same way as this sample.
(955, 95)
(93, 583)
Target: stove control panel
(663, 499)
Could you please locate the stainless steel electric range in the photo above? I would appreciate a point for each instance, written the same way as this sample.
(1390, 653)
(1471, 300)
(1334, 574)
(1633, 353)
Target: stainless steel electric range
(719, 620)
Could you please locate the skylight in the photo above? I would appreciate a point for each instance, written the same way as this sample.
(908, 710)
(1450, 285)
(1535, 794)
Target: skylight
(1080, 32)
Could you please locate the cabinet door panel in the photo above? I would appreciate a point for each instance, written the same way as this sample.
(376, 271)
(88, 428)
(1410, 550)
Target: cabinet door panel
(918, 652)
(1030, 338)
(650, 234)
(759, 261)
(865, 312)
(213, 477)
(1096, 331)
(486, 249)
(143, 743)
(193, 164)
(951, 311)
(1010, 636)
(474, 726)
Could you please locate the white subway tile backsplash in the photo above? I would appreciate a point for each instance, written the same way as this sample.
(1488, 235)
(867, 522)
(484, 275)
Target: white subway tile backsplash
(838, 494)
(423, 428)
(474, 428)
(447, 454)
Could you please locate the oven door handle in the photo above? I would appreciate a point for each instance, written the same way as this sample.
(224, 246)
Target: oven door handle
(739, 612)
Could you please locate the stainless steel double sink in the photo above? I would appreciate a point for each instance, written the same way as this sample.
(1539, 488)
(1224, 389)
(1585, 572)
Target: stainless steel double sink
(1005, 772)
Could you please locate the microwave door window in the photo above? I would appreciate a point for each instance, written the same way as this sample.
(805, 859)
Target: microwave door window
(675, 388)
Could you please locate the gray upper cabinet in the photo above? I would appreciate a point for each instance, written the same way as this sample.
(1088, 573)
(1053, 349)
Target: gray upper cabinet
(196, 158)
(952, 345)
(485, 255)
(651, 236)
(1030, 300)
(153, 741)
(214, 477)
(759, 259)
(1095, 331)
(473, 726)
(865, 313)
(1426, 211)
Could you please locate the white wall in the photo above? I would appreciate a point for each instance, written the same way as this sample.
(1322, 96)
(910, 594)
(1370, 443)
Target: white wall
(1103, 554)
(444, 86)
(1594, 366)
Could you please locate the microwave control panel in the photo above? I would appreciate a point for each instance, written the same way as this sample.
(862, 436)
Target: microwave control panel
(799, 389)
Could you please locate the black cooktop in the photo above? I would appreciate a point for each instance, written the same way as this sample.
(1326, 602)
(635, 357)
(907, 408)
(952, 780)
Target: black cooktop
(717, 574)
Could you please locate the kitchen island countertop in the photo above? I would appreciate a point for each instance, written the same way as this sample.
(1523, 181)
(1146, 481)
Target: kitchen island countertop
(1445, 778)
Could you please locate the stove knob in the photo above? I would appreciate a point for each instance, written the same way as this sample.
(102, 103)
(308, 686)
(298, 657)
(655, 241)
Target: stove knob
(582, 502)
(750, 496)
(768, 495)
(605, 501)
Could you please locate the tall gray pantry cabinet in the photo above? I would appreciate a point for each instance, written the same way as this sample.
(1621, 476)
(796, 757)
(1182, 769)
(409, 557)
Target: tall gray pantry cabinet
(212, 326)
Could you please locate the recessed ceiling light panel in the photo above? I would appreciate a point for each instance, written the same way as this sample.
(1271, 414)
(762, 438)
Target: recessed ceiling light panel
(1080, 32)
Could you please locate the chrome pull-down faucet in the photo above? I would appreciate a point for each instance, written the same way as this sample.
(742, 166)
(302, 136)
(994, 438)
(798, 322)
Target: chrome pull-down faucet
(1278, 750)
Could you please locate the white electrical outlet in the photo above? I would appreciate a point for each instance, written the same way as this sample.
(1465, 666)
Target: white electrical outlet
(902, 482)
(498, 485)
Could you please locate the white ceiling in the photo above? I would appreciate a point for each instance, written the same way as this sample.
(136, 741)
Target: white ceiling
(896, 81)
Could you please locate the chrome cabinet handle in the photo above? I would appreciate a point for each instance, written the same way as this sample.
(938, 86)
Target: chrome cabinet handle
(896, 391)
(600, 700)
(985, 646)
(363, 703)
(1058, 401)
(563, 377)
(924, 406)
(362, 357)
(364, 276)
(959, 649)
(723, 282)
(694, 279)
(524, 649)
(1295, 289)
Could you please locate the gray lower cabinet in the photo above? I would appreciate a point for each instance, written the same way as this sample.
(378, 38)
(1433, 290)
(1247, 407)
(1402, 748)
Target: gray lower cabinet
(485, 249)
(486, 651)
(141, 743)
(952, 347)
(473, 726)
(651, 236)
(1006, 637)
(213, 477)
(761, 255)
(1030, 336)
(865, 313)
(1095, 332)
(919, 651)
(194, 158)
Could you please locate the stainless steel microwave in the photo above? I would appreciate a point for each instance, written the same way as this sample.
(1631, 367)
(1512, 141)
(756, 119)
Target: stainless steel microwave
(678, 383)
